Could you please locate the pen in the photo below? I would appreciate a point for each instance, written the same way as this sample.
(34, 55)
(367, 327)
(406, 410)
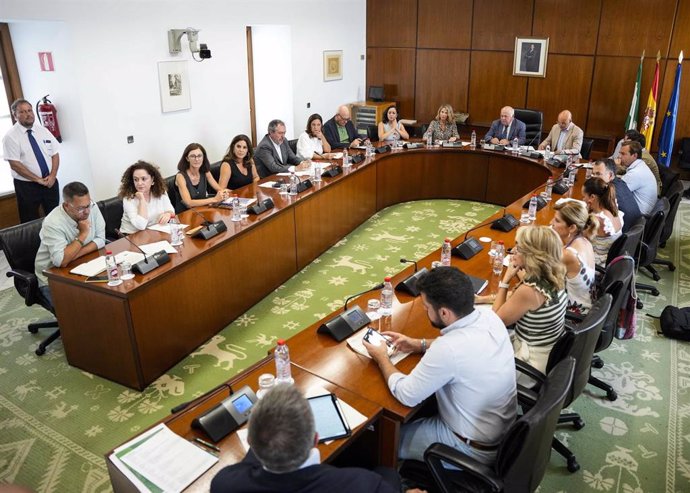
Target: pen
(207, 444)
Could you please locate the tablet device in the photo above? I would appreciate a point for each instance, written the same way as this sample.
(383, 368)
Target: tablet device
(328, 418)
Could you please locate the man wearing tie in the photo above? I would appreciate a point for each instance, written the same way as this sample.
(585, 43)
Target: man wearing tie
(33, 154)
(565, 137)
(273, 154)
(505, 129)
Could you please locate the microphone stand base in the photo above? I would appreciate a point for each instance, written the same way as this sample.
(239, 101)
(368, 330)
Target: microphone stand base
(154, 261)
(345, 324)
(409, 284)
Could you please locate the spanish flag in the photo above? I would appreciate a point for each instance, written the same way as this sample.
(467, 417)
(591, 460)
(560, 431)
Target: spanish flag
(647, 126)
(668, 126)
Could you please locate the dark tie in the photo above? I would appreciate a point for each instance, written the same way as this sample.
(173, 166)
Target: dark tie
(39, 155)
(505, 131)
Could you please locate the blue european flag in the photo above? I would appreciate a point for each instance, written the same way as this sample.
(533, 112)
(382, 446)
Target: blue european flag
(668, 127)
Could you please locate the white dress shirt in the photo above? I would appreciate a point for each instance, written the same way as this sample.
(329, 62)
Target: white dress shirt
(307, 146)
(133, 222)
(642, 184)
(16, 147)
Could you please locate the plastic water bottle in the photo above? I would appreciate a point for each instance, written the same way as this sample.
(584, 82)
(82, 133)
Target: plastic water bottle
(112, 269)
(446, 253)
(236, 210)
(294, 183)
(386, 298)
(282, 358)
(429, 139)
(549, 189)
(370, 149)
(516, 146)
(318, 170)
(547, 152)
(346, 158)
(497, 261)
(473, 140)
(175, 231)
(533, 208)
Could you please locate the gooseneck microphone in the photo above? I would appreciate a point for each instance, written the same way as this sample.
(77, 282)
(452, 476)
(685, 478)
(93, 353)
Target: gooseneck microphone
(149, 263)
(506, 223)
(205, 222)
(334, 170)
(209, 229)
(350, 321)
(469, 246)
(409, 284)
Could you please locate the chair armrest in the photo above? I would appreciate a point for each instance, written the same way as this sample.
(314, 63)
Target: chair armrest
(575, 317)
(599, 269)
(438, 453)
(27, 284)
(530, 371)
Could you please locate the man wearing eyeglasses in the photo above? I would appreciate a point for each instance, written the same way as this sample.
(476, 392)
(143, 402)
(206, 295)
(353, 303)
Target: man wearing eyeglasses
(340, 132)
(69, 232)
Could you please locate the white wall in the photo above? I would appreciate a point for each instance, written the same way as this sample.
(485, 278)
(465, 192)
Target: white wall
(106, 82)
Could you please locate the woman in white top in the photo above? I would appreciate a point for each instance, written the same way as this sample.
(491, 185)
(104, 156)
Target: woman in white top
(313, 142)
(144, 198)
(390, 129)
(576, 226)
(600, 198)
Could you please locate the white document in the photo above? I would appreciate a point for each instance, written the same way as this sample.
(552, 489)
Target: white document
(164, 460)
(165, 228)
(97, 265)
(355, 343)
(151, 248)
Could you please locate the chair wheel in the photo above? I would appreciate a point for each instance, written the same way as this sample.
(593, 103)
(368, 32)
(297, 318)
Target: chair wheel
(33, 330)
(639, 305)
(611, 395)
(655, 292)
(578, 424)
(573, 466)
(598, 364)
(40, 351)
(671, 267)
(656, 277)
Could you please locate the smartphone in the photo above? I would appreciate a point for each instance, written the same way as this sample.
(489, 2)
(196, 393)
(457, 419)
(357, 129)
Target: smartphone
(374, 337)
(101, 278)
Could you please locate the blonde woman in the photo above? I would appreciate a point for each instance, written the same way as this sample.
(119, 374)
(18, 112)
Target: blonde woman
(538, 303)
(443, 127)
(576, 227)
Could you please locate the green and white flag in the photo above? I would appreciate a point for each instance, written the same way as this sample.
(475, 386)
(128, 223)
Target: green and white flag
(631, 121)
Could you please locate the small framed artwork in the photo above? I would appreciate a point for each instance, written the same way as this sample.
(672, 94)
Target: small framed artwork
(530, 57)
(173, 78)
(332, 65)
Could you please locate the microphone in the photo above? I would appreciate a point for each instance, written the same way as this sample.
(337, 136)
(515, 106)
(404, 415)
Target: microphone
(149, 263)
(469, 246)
(506, 223)
(261, 206)
(560, 186)
(350, 321)
(531, 154)
(409, 284)
(185, 405)
(303, 184)
(334, 170)
(207, 230)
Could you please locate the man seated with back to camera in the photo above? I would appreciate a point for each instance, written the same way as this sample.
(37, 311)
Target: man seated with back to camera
(606, 170)
(283, 454)
(476, 401)
(340, 131)
(273, 154)
(70, 231)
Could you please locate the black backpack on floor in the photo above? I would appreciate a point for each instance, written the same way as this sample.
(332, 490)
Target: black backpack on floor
(675, 323)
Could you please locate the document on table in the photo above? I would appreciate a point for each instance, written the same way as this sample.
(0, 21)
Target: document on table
(161, 461)
(151, 248)
(165, 228)
(97, 265)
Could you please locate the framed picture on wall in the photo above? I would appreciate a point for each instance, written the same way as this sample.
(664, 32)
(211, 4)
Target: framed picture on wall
(173, 78)
(530, 57)
(332, 65)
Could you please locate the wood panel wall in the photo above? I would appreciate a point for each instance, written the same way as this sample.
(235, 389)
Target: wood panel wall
(429, 52)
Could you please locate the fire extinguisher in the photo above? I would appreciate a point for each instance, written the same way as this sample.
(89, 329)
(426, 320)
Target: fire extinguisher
(47, 115)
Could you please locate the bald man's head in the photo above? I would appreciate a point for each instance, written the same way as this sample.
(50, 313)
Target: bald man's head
(564, 119)
(343, 115)
(507, 113)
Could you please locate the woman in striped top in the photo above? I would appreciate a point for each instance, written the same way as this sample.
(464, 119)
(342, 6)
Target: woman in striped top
(537, 305)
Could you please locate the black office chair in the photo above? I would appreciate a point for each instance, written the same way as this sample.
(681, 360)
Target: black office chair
(112, 211)
(674, 196)
(533, 120)
(650, 242)
(215, 172)
(20, 244)
(373, 132)
(668, 179)
(684, 154)
(524, 452)
(579, 342)
(586, 148)
(627, 243)
(173, 195)
(616, 282)
(293, 145)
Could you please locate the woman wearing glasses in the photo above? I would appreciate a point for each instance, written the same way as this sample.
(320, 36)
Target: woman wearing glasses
(144, 199)
(193, 177)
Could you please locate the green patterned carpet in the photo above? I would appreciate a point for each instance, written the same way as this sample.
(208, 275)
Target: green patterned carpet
(56, 422)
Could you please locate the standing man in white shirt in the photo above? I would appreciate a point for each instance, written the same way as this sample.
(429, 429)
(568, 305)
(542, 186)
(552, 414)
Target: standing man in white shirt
(33, 154)
(638, 176)
(565, 137)
(477, 401)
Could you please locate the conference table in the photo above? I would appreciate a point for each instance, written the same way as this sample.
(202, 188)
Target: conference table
(133, 333)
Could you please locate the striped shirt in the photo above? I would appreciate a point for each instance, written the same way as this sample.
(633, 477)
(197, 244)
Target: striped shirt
(545, 325)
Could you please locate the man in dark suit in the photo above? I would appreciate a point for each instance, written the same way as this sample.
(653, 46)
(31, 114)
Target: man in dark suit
(273, 154)
(283, 454)
(340, 132)
(506, 128)
(606, 170)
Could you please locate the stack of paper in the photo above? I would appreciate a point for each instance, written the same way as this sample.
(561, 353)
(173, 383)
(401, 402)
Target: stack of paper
(97, 265)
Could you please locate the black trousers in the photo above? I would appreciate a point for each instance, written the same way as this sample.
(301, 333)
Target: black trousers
(31, 196)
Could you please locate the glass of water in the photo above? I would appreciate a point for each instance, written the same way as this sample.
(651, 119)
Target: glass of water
(126, 269)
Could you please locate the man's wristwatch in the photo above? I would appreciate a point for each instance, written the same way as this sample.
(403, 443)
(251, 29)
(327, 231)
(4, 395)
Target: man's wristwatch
(80, 242)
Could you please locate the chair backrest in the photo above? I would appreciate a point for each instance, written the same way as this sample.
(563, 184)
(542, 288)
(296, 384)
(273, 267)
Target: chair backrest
(215, 172)
(668, 179)
(525, 450)
(629, 242)
(292, 143)
(579, 342)
(674, 196)
(112, 210)
(533, 120)
(586, 148)
(684, 153)
(373, 132)
(172, 193)
(653, 230)
(20, 244)
(616, 282)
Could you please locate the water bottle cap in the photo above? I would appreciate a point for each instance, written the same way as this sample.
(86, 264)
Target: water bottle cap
(534, 195)
(447, 240)
(108, 252)
(500, 242)
(281, 342)
(387, 279)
